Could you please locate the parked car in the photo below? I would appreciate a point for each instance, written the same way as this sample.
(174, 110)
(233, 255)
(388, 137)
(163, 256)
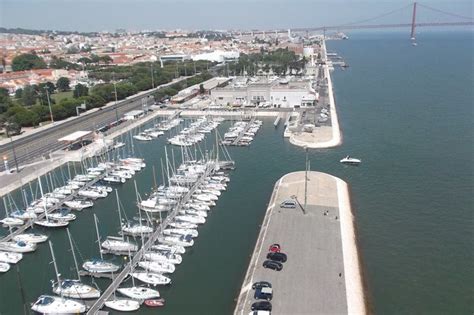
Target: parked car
(259, 313)
(290, 203)
(279, 256)
(275, 248)
(263, 294)
(261, 284)
(274, 265)
(261, 306)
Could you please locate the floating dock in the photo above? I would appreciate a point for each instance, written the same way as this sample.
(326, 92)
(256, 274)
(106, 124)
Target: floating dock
(323, 273)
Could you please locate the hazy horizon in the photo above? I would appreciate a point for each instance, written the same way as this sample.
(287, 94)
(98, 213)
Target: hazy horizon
(101, 15)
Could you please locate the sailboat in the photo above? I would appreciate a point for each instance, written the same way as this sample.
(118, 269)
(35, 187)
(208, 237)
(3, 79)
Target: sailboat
(74, 288)
(139, 293)
(47, 222)
(10, 257)
(17, 247)
(123, 305)
(31, 238)
(99, 265)
(48, 304)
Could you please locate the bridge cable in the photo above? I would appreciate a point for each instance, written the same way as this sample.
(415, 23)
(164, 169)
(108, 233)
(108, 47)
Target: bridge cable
(444, 12)
(378, 16)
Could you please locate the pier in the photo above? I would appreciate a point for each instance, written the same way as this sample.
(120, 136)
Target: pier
(242, 133)
(28, 224)
(117, 280)
(322, 274)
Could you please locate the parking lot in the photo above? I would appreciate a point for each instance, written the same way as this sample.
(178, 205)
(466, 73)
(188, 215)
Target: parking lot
(312, 279)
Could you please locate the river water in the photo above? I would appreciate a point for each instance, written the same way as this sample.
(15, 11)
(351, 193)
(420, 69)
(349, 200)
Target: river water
(407, 112)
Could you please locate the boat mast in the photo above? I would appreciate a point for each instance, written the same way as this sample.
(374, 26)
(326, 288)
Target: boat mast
(45, 201)
(55, 267)
(73, 254)
(98, 236)
(118, 209)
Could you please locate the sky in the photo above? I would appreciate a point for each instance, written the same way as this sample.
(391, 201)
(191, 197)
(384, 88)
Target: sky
(109, 15)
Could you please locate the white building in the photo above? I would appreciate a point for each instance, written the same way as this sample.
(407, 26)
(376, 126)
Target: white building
(277, 93)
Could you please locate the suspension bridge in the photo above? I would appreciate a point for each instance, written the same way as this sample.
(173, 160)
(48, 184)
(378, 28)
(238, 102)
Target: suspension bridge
(412, 24)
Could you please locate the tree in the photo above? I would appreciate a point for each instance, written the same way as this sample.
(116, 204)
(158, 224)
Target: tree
(19, 93)
(80, 90)
(5, 101)
(49, 86)
(63, 84)
(28, 96)
(105, 59)
(27, 62)
(22, 116)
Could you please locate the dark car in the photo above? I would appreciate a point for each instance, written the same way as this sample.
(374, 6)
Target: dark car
(263, 294)
(274, 265)
(262, 306)
(281, 257)
(261, 284)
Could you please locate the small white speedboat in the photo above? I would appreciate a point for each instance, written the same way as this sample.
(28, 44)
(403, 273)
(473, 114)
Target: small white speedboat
(169, 248)
(157, 266)
(350, 160)
(143, 137)
(75, 289)
(18, 247)
(9, 221)
(100, 266)
(164, 256)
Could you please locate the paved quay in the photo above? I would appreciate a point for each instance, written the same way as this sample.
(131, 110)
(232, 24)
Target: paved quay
(322, 136)
(323, 272)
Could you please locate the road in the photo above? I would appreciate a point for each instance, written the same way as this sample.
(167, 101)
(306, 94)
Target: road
(43, 142)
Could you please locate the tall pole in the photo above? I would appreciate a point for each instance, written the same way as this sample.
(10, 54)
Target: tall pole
(13, 150)
(306, 182)
(49, 104)
(115, 92)
(413, 22)
(152, 77)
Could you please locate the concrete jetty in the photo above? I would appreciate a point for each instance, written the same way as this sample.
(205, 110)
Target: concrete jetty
(323, 273)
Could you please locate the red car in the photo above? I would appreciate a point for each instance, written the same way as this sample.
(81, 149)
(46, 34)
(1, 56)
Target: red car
(274, 248)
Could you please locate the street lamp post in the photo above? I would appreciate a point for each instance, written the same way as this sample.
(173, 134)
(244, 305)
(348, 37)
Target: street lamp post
(13, 149)
(116, 110)
(49, 104)
(152, 76)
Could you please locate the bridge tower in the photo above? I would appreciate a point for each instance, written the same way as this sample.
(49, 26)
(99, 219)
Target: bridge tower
(413, 22)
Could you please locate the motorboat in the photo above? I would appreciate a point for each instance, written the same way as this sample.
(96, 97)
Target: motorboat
(170, 248)
(79, 204)
(10, 257)
(123, 174)
(48, 304)
(100, 266)
(4, 267)
(64, 190)
(139, 293)
(75, 289)
(118, 145)
(18, 247)
(155, 302)
(176, 231)
(83, 178)
(350, 160)
(31, 238)
(157, 266)
(151, 278)
(185, 241)
(9, 221)
(107, 189)
(164, 256)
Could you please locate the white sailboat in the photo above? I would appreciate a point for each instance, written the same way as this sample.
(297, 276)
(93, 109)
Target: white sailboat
(151, 278)
(17, 247)
(123, 305)
(47, 304)
(184, 241)
(31, 238)
(165, 256)
(157, 266)
(171, 248)
(74, 288)
(79, 204)
(177, 231)
(47, 222)
(99, 265)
